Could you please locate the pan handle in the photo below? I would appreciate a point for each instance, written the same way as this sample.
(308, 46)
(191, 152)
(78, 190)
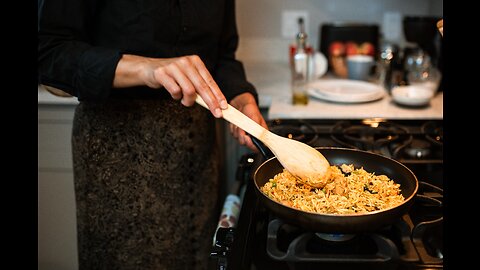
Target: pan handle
(264, 150)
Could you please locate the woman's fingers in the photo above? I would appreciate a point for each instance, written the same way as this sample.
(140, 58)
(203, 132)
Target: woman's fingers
(205, 85)
(185, 77)
(210, 82)
(167, 79)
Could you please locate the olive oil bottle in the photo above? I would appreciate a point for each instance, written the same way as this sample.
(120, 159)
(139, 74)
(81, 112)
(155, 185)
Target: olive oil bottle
(300, 65)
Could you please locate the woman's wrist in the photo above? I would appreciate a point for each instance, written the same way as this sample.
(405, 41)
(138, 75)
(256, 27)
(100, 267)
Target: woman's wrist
(134, 70)
(242, 100)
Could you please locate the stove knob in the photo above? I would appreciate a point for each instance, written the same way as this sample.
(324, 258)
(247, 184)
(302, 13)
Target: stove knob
(223, 243)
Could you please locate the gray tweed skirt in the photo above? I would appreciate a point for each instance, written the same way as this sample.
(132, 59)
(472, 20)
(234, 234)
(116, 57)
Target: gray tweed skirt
(146, 184)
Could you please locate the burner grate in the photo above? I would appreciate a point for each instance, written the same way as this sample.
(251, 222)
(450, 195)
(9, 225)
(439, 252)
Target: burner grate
(433, 131)
(300, 131)
(369, 135)
(286, 242)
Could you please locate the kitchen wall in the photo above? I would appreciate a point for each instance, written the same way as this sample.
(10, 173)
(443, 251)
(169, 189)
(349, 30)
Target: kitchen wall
(259, 21)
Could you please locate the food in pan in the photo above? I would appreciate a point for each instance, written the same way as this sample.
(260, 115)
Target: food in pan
(350, 191)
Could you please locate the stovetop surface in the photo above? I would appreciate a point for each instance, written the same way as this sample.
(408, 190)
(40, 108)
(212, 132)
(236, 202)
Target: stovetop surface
(264, 241)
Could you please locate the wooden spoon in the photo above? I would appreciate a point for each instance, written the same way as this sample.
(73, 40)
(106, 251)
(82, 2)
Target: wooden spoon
(307, 164)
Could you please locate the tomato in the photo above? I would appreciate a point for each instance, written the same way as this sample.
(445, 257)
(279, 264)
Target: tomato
(336, 48)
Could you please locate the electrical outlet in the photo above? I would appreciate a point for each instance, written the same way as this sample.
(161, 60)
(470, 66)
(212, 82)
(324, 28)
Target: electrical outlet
(290, 22)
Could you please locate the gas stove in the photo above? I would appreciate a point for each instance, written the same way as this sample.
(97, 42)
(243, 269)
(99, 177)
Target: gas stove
(260, 240)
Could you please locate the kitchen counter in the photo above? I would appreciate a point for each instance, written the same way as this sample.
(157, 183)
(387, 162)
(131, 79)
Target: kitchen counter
(45, 97)
(383, 108)
(272, 81)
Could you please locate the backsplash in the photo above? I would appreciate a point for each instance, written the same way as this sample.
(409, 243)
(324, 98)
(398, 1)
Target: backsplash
(260, 21)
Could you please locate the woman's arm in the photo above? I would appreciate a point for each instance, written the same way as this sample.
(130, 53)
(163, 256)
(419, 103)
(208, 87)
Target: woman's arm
(66, 60)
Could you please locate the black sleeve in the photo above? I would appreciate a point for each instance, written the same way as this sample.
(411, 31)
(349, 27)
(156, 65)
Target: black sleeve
(229, 72)
(66, 58)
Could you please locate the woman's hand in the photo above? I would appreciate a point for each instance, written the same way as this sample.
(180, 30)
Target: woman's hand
(183, 77)
(246, 104)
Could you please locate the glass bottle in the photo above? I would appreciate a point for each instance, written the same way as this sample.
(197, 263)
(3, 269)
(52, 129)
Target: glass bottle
(300, 68)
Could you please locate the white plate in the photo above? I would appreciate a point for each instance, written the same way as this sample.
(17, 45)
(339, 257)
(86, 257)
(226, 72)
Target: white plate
(412, 95)
(346, 91)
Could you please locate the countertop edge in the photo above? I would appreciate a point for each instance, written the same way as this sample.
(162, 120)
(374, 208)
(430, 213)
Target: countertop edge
(384, 108)
(46, 98)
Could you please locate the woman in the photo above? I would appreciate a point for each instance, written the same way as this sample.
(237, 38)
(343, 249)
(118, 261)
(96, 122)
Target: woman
(145, 162)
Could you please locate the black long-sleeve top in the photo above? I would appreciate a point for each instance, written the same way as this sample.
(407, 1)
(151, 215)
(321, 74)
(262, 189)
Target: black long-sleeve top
(81, 42)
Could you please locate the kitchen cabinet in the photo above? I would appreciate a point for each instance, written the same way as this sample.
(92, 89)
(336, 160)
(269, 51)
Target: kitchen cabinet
(57, 243)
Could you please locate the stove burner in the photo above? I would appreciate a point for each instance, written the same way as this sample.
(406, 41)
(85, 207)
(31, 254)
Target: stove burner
(335, 237)
(298, 130)
(368, 135)
(418, 149)
(434, 132)
(286, 242)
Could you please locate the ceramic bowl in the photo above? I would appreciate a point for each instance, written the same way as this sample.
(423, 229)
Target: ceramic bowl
(412, 95)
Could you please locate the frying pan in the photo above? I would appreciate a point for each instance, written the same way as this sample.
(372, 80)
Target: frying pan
(344, 224)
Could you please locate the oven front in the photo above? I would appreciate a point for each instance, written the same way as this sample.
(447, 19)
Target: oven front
(260, 240)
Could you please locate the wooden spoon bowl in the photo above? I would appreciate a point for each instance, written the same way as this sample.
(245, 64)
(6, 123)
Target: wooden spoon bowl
(306, 163)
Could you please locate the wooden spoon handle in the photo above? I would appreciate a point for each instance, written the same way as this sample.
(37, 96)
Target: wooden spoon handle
(242, 121)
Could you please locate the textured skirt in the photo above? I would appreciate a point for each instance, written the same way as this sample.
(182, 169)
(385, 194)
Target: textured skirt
(146, 184)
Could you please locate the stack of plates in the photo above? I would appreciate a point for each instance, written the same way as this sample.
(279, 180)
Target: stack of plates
(345, 91)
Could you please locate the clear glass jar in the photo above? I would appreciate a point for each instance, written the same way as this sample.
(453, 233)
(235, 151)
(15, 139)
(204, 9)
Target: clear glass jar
(421, 71)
